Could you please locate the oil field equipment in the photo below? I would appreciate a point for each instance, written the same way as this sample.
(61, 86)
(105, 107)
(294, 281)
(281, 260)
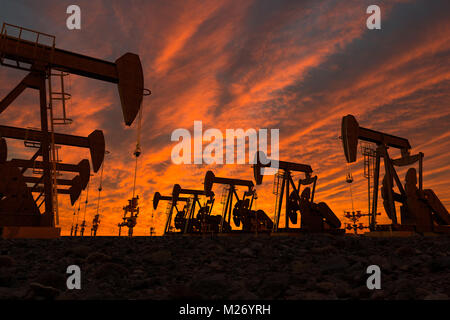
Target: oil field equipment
(173, 204)
(420, 209)
(185, 220)
(132, 208)
(95, 224)
(35, 53)
(315, 217)
(83, 223)
(130, 214)
(96, 219)
(354, 217)
(251, 220)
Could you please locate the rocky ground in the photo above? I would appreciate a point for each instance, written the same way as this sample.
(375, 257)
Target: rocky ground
(305, 267)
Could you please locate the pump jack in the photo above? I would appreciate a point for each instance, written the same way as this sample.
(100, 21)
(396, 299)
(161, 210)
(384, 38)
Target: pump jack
(185, 220)
(171, 205)
(420, 209)
(24, 218)
(314, 217)
(242, 212)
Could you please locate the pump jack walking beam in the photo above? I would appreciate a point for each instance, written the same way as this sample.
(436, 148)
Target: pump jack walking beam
(126, 71)
(95, 142)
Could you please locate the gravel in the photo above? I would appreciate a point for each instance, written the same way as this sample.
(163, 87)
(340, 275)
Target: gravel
(311, 267)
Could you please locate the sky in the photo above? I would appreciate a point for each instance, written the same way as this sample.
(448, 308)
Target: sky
(296, 66)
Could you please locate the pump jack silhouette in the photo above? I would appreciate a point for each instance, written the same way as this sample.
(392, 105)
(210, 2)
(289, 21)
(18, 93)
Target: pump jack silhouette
(420, 209)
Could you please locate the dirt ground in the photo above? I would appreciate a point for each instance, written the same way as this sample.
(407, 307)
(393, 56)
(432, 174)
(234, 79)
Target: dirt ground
(245, 267)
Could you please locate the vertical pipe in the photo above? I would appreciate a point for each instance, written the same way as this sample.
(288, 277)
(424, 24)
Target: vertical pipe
(45, 146)
(224, 213)
(314, 189)
(54, 157)
(288, 178)
(63, 97)
(375, 191)
(230, 206)
(368, 194)
(388, 170)
(169, 218)
(251, 201)
(420, 171)
(280, 195)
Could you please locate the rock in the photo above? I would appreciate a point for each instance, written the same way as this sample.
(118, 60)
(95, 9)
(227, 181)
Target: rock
(13, 293)
(312, 296)
(97, 257)
(361, 292)
(52, 279)
(6, 279)
(225, 268)
(421, 293)
(405, 251)
(403, 285)
(244, 295)
(46, 292)
(256, 246)
(440, 264)
(251, 282)
(182, 292)
(110, 270)
(298, 267)
(325, 286)
(80, 251)
(342, 290)
(247, 252)
(6, 261)
(323, 250)
(215, 266)
(336, 264)
(378, 295)
(140, 284)
(210, 285)
(437, 296)
(159, 257)
(273, 286)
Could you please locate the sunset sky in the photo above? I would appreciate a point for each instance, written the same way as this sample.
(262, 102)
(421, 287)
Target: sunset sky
(297, 66)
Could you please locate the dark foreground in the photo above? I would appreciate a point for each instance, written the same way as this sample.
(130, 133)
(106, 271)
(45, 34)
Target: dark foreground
(306, 267)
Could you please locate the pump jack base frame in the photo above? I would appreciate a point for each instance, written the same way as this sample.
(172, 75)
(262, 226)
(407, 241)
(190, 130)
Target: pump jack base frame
(231, 233)
(29, 232)
(292, 231)
(398, 230)
(280, 233)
